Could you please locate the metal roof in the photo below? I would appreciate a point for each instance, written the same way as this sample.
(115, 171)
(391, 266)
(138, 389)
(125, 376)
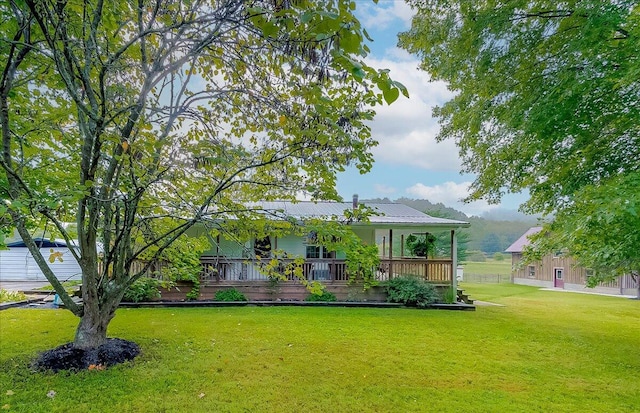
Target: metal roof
(40, 242)
(388, 213)
(523, 241)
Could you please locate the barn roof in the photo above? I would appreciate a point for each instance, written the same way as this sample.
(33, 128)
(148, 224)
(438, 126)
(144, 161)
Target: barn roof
(523, 241)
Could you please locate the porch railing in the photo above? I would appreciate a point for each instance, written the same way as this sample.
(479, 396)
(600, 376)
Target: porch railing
(215, 269)
(436, 271)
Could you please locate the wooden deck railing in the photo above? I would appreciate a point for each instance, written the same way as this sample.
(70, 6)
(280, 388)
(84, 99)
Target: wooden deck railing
(215, 269)
(436, 271)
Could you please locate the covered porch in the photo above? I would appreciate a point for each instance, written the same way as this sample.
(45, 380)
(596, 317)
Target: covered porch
(389, 227)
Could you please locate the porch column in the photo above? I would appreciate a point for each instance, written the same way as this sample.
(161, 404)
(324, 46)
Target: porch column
(218, 267)
(454, 262)
(390, 253)
(384, 246)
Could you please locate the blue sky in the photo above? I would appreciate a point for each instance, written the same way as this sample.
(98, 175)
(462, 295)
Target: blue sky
(408, 160)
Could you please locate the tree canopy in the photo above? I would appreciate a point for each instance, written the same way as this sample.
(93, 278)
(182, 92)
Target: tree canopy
(547, 100)
(139, 119)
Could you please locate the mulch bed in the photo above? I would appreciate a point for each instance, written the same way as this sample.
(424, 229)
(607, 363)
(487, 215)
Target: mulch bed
(68, 357)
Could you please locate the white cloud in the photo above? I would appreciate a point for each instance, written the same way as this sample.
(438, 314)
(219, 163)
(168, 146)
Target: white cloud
(382, 17)
(451, 194)
(398, 54)
(447, 193)
(405, 129)
(384, 189)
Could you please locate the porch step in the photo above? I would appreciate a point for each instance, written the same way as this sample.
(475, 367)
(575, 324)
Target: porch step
(463, 297)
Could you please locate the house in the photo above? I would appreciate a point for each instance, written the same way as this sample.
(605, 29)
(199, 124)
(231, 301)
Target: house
(559, 270)
(17, 263)
(232, 264)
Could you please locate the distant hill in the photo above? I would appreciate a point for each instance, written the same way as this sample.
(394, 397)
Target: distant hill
(508, 215)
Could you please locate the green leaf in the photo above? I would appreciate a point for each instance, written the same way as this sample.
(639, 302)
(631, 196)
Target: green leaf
(269, 29)
(358, 72)
(391, 95)
(307, 16)
(402, 88)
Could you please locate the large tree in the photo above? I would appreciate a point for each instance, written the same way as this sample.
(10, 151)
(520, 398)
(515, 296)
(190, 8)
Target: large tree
(139, 119)
(547, 100)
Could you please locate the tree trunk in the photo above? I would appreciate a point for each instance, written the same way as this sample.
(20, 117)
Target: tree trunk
(92, 329)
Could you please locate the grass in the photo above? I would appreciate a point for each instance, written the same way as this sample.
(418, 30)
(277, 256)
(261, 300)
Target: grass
(543, 351)
(488, 271)
(69, 286)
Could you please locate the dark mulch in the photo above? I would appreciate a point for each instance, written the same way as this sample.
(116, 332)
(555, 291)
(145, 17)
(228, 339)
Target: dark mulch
(67, 357)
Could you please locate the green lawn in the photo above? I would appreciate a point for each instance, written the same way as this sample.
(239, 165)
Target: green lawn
(489, 268)
(542, 352)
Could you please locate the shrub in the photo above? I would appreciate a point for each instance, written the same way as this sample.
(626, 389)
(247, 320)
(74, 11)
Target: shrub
(498, 256)
(411, 291)
(11, 296)
(230, 295)
(194, 293)
(449, 296)
(70, 287)
(144, 289)
(326, 296)
(182, 263)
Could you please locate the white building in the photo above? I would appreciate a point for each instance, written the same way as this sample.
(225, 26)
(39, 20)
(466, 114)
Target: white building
(17, 263)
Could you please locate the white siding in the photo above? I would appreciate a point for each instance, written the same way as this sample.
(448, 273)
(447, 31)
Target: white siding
(17, 264)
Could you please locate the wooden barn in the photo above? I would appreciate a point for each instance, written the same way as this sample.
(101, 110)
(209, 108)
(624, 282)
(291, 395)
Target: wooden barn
(559, 270)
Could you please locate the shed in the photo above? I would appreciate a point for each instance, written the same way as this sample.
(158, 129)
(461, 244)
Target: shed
(17, 263)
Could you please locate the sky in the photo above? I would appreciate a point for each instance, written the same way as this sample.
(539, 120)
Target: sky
(408, 160)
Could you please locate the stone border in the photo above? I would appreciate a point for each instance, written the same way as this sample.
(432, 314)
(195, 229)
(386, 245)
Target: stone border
(351, 304)
(13, 304)
(211, 303)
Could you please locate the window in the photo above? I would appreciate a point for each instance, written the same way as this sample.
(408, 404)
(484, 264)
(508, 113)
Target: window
(313, 251)
(328, 254)
(262, 247)
(317, 251)
(531, 271)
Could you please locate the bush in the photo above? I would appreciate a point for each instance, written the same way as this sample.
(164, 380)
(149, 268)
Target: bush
(11, 296)
(411, 291)
(449, 296)
(326, 296)
(498, 256)
(144, 289)
(230, 295)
